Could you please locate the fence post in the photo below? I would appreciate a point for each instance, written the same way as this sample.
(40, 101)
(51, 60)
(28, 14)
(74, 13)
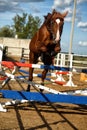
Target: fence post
(22, 53)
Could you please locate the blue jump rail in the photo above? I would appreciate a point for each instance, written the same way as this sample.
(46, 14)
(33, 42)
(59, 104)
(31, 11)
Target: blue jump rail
(44, 97)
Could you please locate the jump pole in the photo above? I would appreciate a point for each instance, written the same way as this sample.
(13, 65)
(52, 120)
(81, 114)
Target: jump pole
(23, 97)
(71, 92)
(19, 64)
(40, 75)
(44, 97)
(34, 96)
(11, 76)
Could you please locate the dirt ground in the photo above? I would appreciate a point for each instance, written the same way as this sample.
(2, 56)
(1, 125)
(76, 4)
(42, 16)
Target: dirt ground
(44, 116)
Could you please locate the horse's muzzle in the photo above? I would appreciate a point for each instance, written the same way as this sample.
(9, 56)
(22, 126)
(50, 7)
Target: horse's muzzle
(57, 40)
(43, 49)
(57, 49)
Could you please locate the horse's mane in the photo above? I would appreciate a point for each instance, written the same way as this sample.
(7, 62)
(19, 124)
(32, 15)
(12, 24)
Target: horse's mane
(47, 18)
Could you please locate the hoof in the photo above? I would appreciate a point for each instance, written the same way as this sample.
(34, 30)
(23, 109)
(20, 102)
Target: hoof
(28, 89)
(42, 83)
(41, 90)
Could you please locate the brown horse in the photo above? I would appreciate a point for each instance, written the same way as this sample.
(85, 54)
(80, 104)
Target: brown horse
(46, 42)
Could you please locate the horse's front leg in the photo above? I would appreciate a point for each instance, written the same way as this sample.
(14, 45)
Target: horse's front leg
(47, 60)
(30, 77)
(32, 60)
(43, 77)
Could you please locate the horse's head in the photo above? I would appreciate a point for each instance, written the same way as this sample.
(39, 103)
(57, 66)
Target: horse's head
(56, 21)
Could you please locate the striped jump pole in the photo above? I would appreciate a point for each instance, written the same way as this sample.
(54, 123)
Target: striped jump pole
(11, 76)
(39, 86)
(48, 74)
(40, 75)
(19, 64)
(8, 76)
(11, 64)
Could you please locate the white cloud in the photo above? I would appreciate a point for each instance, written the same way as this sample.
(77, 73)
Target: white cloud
(82, 43)
(81, 1)
(65, 3)
(68, 19)
(68, 9)
(82, 24)
(61, 3)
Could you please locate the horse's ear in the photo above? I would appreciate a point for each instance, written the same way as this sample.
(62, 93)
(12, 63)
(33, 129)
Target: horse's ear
(65, 14)
(53, 11)
(45, 16)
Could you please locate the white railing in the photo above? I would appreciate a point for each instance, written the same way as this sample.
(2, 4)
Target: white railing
(71, 60)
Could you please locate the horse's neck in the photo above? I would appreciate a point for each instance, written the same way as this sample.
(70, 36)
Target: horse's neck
(46, 28)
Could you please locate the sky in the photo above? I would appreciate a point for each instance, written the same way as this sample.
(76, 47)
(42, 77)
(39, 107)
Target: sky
(10, 8)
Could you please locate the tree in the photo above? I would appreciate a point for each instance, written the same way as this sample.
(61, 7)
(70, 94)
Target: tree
(6, 31)
(19, 24)
(26, 25)
(32, 25)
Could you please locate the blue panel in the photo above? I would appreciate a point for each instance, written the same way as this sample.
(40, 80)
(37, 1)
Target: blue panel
(36, 96)
(84, 70)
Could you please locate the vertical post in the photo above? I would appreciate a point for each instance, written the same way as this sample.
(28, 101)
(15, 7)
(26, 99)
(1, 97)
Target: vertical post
(22, 53)
(72, 28)
(72, 33)
(1, 54)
